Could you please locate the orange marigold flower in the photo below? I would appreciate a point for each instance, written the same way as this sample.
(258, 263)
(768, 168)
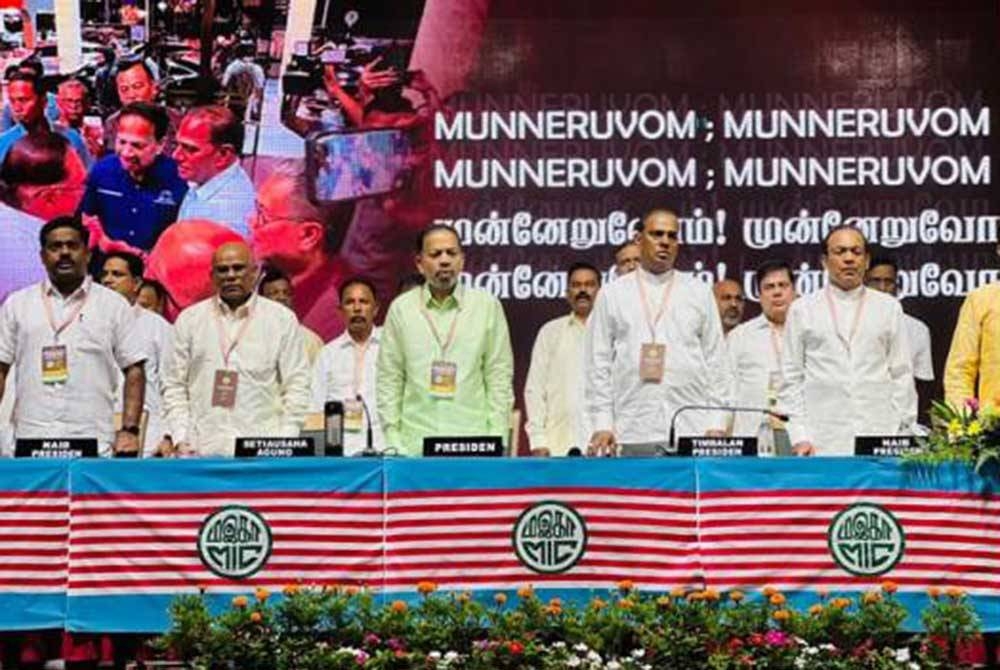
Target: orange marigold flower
(678, 592)
(890, 586)
(954, 592)
(782, 615)
(626, 585)
(840, 603)
(463, 597)
(736, 596)
(352, 590)
(426, 587)
(769, 591)
(398, 606)
(526, 592)
(711, 595)
(290, 589)
(240, 602)
(934, 592)
(598, 604)
(695, 596)
(262, 594)
(816, 609)
(500, 598)
(626, 604)
(871, 597)
(256, 617)
(554, 610)
(777, 599)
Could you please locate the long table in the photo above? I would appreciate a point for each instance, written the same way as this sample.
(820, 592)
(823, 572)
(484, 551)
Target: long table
(103, 545)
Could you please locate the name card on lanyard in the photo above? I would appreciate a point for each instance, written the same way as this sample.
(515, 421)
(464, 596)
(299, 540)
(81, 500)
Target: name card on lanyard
(653, 355)
(444, 373)
(227, 381)
(55, 357)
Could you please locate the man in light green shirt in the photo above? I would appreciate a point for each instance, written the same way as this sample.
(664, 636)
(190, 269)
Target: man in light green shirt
(445, 366)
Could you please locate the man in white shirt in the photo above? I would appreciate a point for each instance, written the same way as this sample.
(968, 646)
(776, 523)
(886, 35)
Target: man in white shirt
(883, 275)
(67, 338)
(209, 144)
(237, 367)
(122, 273)
(847, 367)
(277, 287)
(346, 367)
(553, 391)
(654, 346)
(729, 297)
(755, 351)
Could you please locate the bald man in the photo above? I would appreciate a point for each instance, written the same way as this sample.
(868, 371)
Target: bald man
(729, 298)
(238, 367)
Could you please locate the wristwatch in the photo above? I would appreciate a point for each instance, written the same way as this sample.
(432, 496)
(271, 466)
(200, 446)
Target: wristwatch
(131, 429)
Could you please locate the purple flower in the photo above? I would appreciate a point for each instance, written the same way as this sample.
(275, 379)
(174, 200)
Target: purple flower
(776, 638)
(361, 658)
(371, 640)
(482, 645)
(394, 644)
(972, 404)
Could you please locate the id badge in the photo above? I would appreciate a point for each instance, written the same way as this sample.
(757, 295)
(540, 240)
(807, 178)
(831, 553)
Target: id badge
(354, 416)
(652, 358)
(224, 388)
(55, 364)
(443, 376)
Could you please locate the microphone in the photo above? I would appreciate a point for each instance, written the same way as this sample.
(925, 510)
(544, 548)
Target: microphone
(719, 408)
(369, 434)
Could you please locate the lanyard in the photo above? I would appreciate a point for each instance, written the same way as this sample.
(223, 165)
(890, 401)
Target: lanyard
(857, 317)
(777, 345)
(58, 329)
(358, 378)
(652, 321)
(225, 346)
(434, 331)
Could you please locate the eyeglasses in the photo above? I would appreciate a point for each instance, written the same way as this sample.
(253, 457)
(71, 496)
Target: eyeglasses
(263, 218)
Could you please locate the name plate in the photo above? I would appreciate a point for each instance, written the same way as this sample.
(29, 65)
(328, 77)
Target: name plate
(717, 447)
(459, 447)
(57, 448)
(885, 445)
(274, 447)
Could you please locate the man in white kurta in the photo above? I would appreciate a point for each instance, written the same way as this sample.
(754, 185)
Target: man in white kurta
(237, 368)
(553, 391)
(346, 368)
(654, 345)
(883, 275)
(847, 368)
(756, 349)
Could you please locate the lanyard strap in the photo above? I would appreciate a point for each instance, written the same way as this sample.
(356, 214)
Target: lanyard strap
(225, 346)
(777, 345)
(58, 329)
(358, 378)
(857, 316)
(434, 331)
(652, 321)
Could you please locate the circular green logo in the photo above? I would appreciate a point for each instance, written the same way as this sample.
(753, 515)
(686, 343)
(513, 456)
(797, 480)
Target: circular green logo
(549, 537)
(865, 539)
(234, 542)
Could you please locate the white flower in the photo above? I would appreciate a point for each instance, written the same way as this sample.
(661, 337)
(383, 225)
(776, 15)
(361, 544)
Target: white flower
(559, 645)
(613, 665)
(902, 655)
(800, 662)
(812, 651)
(572, 662)
(913, 666)
(434, 655)
(638, 653)
(451, 656)
(581, 647)
(593, 656)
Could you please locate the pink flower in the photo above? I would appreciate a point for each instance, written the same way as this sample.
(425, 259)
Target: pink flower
(972, 404)
(371, 640)
(361, 658)
(776, 638)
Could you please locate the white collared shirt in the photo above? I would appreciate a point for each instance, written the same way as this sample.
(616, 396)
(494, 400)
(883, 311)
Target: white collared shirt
(100, 343)
(553, 391)
(918, 337)
(833, 392)
(337, 375)
(156, 334)
(272, 394)
(755, 355)
(227, 198)
(696, 366)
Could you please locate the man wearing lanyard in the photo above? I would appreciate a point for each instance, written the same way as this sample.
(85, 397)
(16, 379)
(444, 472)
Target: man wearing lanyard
(846, 365)
(237, 368)
(653, 346)
(67, 338)
(755, 351)
(345, 369)
(445, 366)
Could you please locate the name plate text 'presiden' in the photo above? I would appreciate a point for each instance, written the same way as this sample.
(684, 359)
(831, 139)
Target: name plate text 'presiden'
(717, 447)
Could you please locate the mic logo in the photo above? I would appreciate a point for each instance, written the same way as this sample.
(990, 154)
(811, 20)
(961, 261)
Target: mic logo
(866, 539)
(549, 537)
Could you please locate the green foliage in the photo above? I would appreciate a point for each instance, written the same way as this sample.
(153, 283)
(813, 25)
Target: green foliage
(967, 434)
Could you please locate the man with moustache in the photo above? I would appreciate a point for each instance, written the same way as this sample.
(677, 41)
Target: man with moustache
(27, 100)
(135, 82)
(729, 297)
(345, 369)
(135, 193)
(654, 345)
(445, 366)
(846, 364)
(553, 392)
(755, 351)
(237, 367)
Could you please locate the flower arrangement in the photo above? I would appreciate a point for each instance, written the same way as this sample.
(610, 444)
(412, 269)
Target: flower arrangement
(970, 434)
(323, 628)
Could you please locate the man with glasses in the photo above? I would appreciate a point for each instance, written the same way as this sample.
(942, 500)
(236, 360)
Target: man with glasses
(209, 143)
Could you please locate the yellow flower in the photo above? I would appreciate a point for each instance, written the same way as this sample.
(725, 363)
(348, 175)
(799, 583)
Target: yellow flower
(782, 615)
(871, 597)
(975, 428)
(777, 600)
(736, 596)
(816, 609)
(262, 594)
(526, 592)
(678, 592)
(500, 598)
(840, 603)
(597, 604)
(664, 601)
(256, 617)
(955, 428)
(626, 604)
(426, 587)
(711, 595)
(240, 602)
(398, 606)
